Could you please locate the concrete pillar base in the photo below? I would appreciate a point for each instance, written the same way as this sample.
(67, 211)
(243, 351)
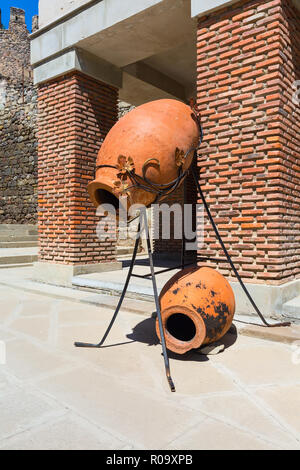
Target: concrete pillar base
(271, 300)
(62, 274)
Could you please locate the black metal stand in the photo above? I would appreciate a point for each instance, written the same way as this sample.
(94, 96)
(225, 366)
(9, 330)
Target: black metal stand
(143, 225)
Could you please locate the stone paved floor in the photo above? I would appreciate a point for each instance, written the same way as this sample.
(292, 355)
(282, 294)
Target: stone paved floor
(54, 396)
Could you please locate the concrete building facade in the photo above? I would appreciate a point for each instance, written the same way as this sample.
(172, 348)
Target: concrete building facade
(241, 62)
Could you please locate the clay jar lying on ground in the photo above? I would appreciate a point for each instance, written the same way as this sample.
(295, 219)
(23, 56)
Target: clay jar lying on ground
(150, 140)
(197, 307)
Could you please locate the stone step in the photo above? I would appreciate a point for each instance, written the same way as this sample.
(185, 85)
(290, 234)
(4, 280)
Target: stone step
(12, 266)
(134, 291)
(18, 259)
(24, 238)
(17, 230)
(124, 250)
(245, 325)
(112, 283)
(18, 255)
(18, 244)
(249, 325)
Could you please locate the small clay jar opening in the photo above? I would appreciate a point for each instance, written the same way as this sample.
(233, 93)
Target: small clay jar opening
(184, 328)
(181, 327)
(105, 197)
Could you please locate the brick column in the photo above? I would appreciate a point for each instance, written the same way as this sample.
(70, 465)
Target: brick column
(248, 60)
(75, 114)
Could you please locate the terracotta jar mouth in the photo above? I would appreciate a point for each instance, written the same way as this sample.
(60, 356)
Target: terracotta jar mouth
(181, 327)
(184, 329)
(102, 194)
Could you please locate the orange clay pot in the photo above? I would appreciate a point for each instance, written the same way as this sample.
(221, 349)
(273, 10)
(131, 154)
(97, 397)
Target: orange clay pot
(197, 307)
(151, 132)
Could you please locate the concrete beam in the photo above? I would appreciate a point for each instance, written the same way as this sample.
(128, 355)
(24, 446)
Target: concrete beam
(51, 12)
(76, 59)
(155, 78)
(199, 7)
(52, 40)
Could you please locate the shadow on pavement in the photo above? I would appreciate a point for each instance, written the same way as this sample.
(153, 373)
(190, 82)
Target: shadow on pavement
(144, 332)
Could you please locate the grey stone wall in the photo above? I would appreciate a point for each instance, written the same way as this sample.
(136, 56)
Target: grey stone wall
(18, 153)
(18, 125)
(15, 48)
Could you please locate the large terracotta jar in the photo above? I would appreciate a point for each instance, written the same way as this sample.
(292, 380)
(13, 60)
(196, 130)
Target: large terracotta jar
(151, 141)
(197, 307)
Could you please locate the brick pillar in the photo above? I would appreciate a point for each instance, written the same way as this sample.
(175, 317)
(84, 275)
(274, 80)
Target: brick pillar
(75, 114)
(248, 60)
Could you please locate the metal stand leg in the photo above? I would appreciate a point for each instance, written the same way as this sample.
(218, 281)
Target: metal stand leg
(161, 329)
(143, 225)
(183, 240)
(229, 258)
(98, 345)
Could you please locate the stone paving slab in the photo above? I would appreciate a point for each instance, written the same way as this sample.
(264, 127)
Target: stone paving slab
(21, 279)
(212, 434)
(21, 410)
(66, 433)
(54, 395)
(284, 400)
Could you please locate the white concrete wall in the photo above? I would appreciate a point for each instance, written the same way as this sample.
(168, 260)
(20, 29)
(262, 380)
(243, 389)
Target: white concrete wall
(50, 11)
(96, 18)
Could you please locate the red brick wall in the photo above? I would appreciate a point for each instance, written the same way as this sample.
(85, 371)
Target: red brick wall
(75, 114)
(248, 58)
(288, 167)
